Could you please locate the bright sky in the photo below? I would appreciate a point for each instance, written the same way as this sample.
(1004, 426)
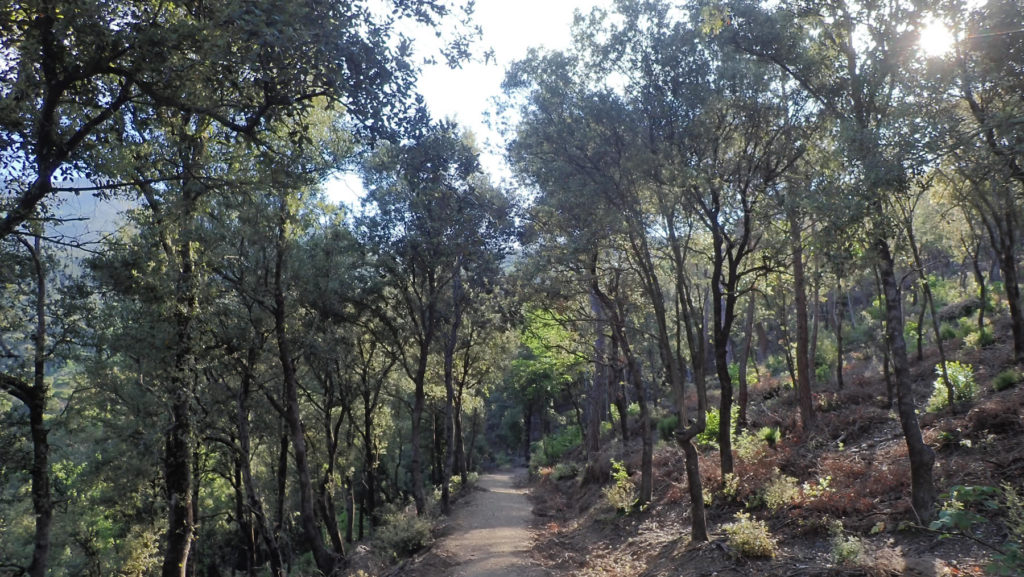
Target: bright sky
(466, 94)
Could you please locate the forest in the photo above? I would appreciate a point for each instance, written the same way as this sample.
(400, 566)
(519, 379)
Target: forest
(755, 270)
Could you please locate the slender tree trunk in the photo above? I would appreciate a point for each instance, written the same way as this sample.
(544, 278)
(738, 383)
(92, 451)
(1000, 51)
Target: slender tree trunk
(744, 394)
(922, 458)
(35, 399)
(449, 387)
(253, 502)
(598, 392)
(180, 441)
(616, 314)
(282, 479)
(839, 332)
(326, 561)
(1008, 266)
(419, 400)
(803, 364)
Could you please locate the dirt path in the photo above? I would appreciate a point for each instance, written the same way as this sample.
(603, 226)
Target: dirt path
(489, 534)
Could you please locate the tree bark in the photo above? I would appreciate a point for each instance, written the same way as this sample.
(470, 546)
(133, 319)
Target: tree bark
(326, 561)
(922, 458)
(744, 394)
(253, 503)
(803, 365)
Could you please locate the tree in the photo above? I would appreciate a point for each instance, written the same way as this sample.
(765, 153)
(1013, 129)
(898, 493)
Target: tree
(433, 220)
(74, 72)
(819, 45)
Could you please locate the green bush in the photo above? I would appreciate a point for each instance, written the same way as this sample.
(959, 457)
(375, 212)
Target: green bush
(633, 410)
(750, 537)
(547, 451)
(1006, 379)
(748, 446)
(709, 437)
(961, 376)
(846, 549)
(979, 339)
(780, 491)
(947, 332)
(963, 509)
(770, 435)
(402, 534)
(667, 427)
(565, 471)
(622, 494)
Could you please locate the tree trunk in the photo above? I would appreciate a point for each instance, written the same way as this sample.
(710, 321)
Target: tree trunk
(449, 388)
(1008, 266)
(839, 332)
(419, 400)
(254, 503)
(803, 364)
(922, 458)
(35, 398)
(180, 442)
(744, 394)
(326, 561)
(598, 391)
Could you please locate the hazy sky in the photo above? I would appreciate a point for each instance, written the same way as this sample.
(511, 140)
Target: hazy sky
(465, 94)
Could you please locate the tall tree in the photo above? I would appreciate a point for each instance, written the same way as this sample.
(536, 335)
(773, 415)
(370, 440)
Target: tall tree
(850, 58)
(433, 219)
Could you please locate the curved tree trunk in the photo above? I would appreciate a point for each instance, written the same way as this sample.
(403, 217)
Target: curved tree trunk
(922, 458)
(326, 561)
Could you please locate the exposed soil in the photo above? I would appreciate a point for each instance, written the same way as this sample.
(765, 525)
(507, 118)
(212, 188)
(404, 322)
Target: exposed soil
(487, 535)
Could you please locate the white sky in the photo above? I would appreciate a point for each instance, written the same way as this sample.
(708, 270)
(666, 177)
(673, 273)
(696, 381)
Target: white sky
(510, 28)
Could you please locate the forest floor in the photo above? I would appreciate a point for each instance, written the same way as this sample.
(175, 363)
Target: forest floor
(844, 489)
(487, 535)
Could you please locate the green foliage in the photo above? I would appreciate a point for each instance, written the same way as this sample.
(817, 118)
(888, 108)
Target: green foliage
(770, 435)
(564, 471)
(846, 549)
(1006, 379)
(402, 534)
(947, 332)
(780, 491)
(547, 451)
(967, 506)
(633, 409)
(961, 376)
(979, 339)
(750, 537)
(667, 427)
(748, 446)
(709, 436)
(622, 493)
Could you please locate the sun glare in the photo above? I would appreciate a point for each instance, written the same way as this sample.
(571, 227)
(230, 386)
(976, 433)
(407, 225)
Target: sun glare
(936, 39)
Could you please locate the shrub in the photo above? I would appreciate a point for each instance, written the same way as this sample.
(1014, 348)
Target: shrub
(622, 494)
(547, 451)
(709, 437)
(962, 511)
(1006, 379)
(402, 534)
(846, 549)
(780, 491)
(979, 339)
(770, 435)
(667, 427)
(961, 376)
(633, 409)
(748, 446)
(750, 537)
(565, 471)
(947, 332)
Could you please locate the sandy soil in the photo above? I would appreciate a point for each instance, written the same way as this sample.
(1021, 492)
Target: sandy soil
(487, 534)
